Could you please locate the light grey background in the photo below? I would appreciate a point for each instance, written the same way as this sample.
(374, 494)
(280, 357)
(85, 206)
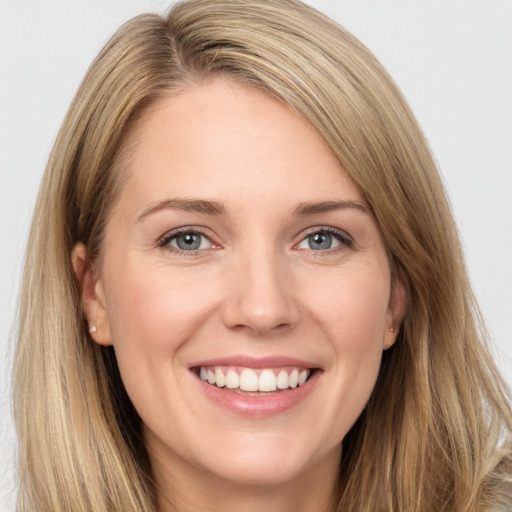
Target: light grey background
(452, 59)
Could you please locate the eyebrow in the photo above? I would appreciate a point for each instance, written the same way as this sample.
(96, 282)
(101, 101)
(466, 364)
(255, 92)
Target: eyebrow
(311, 208)
(216, 208)
(186, 205)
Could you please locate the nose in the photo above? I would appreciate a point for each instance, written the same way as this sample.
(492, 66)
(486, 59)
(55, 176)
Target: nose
(260, 296)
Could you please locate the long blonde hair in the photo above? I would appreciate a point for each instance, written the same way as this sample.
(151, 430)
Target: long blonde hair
(429, 438)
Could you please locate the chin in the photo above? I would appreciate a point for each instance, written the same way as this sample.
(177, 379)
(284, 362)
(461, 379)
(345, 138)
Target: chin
(262, 461)
(259, 472)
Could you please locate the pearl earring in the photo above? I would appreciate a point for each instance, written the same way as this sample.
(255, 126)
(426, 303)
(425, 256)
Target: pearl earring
(392, 329)
(93, 329)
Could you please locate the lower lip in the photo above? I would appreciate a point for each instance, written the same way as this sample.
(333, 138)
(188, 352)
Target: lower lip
(259, 406)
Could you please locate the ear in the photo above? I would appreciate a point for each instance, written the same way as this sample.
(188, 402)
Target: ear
(396, 309)
(93, 296)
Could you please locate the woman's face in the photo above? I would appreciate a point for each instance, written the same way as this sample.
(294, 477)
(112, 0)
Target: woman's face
(240, 252)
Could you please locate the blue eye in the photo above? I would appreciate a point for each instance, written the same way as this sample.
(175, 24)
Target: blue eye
(320, 241)
(187, 241)
(323, 240)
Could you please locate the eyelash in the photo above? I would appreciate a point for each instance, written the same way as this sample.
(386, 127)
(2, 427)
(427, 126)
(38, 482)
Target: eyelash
(169, 237)
(342, 237)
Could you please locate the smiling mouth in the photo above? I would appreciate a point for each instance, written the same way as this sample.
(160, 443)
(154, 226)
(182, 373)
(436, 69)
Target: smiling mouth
(254, 381)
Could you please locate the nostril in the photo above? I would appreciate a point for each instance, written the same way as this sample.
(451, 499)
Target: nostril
(259, 300)
(259, 323)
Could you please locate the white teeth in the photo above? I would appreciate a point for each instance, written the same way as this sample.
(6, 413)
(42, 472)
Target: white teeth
(248, 380)
(267, 381)
(220, 378)
(294, 378)
(232, 380)
(283, 381)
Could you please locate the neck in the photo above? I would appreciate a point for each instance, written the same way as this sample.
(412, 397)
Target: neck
(185, 488)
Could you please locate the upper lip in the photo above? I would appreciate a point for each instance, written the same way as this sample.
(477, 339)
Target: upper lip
(255, 362)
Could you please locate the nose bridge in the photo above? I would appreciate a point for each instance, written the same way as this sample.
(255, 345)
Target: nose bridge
(260, 290)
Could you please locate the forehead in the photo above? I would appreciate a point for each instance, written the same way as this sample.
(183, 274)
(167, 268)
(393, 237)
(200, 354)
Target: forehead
(224, 140)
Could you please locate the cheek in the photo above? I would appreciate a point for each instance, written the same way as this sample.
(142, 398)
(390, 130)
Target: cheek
(352, 306)
(352, 316)
(156, 309)
(153, 314)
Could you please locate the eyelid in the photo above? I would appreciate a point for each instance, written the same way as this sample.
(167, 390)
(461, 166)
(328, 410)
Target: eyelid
(342, 236)
(164, 240)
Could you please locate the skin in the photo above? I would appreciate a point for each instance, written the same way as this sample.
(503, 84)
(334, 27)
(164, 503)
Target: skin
(255, 287)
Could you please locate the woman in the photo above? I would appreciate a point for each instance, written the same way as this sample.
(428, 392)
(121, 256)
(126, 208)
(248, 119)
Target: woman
(252, 292)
